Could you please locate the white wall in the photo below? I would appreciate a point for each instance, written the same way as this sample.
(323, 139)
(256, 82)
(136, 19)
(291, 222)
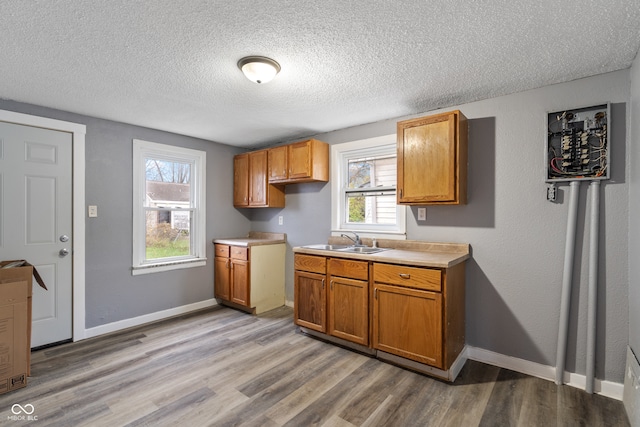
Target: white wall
(634, 210)
(515, 276)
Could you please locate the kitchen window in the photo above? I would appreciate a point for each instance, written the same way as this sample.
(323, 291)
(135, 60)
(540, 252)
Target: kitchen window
(168, 207)
(363, 181)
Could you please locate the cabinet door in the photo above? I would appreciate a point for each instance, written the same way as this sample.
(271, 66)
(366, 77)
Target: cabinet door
(408, 323)
(348, 309)
(258, 178)
(241, 180)
(300, 160)
(222, 278)
(278, 164)
(240, 282)
(310, 300)
(432, 160)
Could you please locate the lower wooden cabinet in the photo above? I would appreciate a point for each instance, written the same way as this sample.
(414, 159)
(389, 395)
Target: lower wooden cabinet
(418, 313)
(408, 312)
(222, 278)
(331, 296)
(240, 283)
(310, 300)
(310, 294)
(348, 304)
(408, 323)
(250, 278)
(231, 278)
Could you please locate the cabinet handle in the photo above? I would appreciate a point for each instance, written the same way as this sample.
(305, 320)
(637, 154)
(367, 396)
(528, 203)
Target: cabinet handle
(331, 284)
(401, 193)
(228, 264)
(322, 283)
(404, 276)
(375, 293)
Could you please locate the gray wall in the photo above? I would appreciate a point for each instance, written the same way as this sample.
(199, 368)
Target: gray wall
(112, 293)
(634, 211)
(515, 276)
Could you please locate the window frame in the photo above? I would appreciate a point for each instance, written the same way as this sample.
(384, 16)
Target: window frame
(197, 158)
(340, 156)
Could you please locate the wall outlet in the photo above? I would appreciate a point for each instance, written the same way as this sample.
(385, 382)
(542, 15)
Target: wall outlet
(552, 192)
(422, 214)
(280, 220)
(93, 211)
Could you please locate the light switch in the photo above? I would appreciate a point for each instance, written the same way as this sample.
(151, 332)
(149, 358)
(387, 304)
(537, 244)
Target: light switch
(93, 211)
(422, 214)
(280, 220)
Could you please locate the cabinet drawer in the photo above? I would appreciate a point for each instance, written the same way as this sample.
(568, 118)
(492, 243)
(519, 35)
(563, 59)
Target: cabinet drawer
(413, 277)
(240, 253)
(221, 250)
(349, 268)
(313, 264)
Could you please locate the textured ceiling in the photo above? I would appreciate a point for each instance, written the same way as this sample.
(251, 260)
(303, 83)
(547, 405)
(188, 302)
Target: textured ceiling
(171, 64)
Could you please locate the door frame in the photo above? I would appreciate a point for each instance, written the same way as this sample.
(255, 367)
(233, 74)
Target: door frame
(78, 133)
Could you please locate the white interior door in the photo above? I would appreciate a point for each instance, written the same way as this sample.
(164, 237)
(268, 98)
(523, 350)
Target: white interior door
(36, 220)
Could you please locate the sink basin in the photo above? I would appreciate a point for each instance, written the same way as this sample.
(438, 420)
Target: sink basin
(345, 248)
(327, 247)
(361, 250)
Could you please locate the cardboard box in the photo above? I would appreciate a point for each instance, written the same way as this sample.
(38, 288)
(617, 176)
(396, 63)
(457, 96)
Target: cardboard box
(15, 322)
(15, 326)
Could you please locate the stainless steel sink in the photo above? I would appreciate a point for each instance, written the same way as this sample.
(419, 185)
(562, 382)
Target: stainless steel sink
(345, 248)
(327, 247)
(361, 250)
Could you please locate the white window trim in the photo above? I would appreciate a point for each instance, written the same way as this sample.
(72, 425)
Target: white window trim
(340, 152)
(142, 149)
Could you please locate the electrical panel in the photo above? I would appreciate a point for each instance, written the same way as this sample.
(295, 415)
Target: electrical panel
(578, 144)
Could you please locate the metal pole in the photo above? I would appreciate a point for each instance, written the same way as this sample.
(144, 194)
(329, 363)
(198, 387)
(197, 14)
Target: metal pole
(567, 278)
(593, 284)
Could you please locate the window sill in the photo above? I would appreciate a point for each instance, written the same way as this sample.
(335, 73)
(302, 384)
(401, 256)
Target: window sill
(167, 266)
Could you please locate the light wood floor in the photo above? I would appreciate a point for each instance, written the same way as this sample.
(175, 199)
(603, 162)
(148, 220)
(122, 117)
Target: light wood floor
(221, 367)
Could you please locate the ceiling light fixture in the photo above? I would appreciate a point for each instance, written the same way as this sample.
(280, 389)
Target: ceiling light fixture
(259, 69)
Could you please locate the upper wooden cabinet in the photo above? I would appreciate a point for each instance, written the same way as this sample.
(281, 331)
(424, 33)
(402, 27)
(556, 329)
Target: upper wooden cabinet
(303, 161)
(432, 160)
(251, 188)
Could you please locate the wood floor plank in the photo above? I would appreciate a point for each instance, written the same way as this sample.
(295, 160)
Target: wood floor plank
(222, 367)
(276, 384)
(466, 401)
(506, 400)
(178, 409)
(308, 391)
(382, 388)
(333, 400)
(540, 403)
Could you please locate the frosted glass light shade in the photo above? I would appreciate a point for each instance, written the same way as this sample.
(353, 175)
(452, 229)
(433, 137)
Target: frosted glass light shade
(259, 69)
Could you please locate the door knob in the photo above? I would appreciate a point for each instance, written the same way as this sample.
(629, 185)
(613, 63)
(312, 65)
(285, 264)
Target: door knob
(64, 252)
(64, 238)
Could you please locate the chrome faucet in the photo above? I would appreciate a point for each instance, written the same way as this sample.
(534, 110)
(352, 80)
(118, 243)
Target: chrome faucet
(356, 241)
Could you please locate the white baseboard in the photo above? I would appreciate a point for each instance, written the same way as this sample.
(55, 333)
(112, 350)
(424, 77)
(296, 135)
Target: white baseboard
(288, 303)
(147, 318)
(605, 388)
